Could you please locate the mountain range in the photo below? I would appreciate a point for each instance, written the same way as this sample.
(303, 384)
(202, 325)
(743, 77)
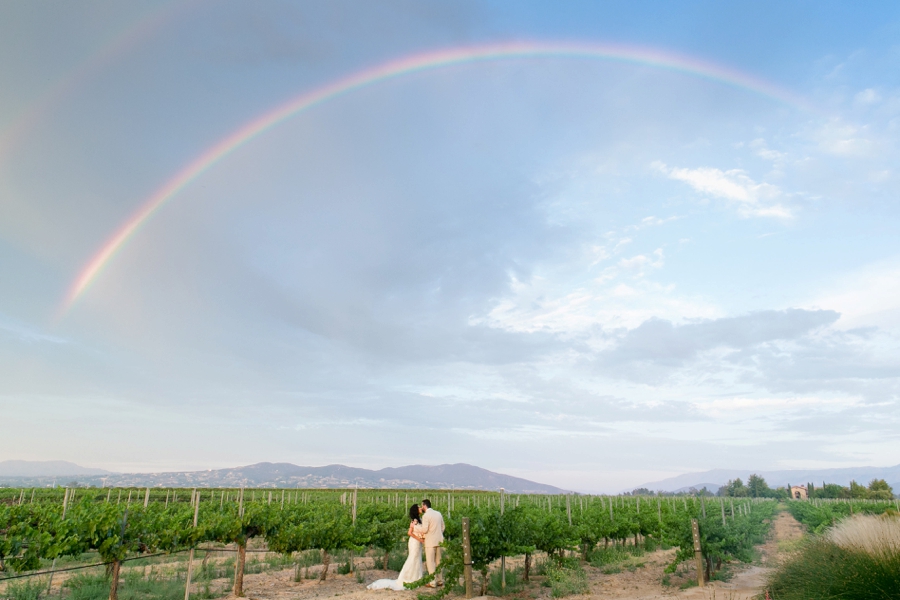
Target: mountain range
(457, 476)
(39, 468)
(714, 479)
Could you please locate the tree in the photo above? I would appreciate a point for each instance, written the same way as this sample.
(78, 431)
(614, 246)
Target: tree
(757, 487)
(831, 490)
(735, 488)
(858, 491)
(880, 490)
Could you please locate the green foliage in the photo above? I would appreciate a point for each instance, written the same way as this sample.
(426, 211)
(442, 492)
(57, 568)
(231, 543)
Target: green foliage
(566, 579)
(396, 560)
(824, 570)
(310, 521)
(757, 487)
(87, 587)
(734, 489)
(819, 516)
(27, 589)
(603, 557)
(878, 489)
(514, 582)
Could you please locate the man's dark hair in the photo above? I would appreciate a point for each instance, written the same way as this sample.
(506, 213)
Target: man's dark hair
(427, 502)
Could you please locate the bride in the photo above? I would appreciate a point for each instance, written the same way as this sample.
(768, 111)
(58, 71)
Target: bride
(412, 568)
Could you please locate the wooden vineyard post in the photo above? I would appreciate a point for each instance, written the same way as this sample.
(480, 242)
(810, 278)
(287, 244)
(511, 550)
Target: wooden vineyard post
(698, 552)
(241, 557)
(467, 557)
(147, 498)
(187, 585)
(723, 512)
(503, 557)
(354, 506)
(53, 566)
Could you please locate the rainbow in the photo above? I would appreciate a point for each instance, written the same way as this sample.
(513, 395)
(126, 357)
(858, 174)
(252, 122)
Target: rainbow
(400, 68)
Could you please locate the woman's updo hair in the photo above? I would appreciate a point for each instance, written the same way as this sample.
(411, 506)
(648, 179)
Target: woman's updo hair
(414, 513)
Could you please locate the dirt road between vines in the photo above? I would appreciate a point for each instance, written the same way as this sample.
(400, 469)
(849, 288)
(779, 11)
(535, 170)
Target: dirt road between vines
(639, 579)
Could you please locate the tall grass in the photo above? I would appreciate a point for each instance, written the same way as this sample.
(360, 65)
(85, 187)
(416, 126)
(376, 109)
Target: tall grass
(878, 536)
(31, 588)
(858, 559)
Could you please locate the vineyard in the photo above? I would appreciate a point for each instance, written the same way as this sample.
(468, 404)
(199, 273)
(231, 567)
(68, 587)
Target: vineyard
(819, 515)
(39, 527)
(853, 552)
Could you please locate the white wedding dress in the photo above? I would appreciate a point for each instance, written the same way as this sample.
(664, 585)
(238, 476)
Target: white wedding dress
(412, 569)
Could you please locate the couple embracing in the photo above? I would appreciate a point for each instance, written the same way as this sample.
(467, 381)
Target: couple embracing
(426, 528)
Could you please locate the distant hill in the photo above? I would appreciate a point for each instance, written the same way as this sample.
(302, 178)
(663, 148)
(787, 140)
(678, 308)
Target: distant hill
(458, 476)
(720, 477)
(45, 468)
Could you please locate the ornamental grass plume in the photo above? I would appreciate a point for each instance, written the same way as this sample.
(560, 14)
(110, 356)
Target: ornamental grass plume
(858, 559)
(877, 536)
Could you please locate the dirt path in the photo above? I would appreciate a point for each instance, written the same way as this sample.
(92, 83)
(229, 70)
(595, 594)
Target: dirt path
(749, 580)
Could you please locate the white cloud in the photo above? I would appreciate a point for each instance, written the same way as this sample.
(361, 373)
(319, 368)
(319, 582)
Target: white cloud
(843, 139)
(867, 297)
(763, 151)
(752, 199)
(606, 302)
(651, 221)
(867, 96)
(642, 261)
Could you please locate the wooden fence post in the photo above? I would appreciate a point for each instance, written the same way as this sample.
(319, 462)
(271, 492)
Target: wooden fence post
(467, 557)
(698, 552)
(187, 585)
(502, 558)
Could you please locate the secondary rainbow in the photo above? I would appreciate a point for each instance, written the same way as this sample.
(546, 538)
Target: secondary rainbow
(399, 68)
(77, 78)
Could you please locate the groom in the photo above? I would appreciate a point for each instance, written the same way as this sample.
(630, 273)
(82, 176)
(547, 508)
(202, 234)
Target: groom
(434, 536)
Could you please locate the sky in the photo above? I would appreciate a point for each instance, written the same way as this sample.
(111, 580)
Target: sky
(590, 244)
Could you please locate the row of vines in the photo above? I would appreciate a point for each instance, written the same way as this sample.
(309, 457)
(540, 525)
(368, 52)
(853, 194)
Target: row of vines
(819, 515)
(41, 525)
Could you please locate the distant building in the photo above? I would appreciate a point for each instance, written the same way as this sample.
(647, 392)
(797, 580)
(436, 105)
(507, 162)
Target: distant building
(798, 492)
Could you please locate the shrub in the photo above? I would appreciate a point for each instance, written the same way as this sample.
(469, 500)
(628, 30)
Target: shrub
(859, 559)
(567, 579)
(30, 588)
(396, 560)
(514, 582)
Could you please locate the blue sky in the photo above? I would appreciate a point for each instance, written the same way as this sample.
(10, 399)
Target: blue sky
(592, 273)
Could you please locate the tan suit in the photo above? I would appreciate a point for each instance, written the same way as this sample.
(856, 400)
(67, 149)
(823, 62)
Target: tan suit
(433, 523)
